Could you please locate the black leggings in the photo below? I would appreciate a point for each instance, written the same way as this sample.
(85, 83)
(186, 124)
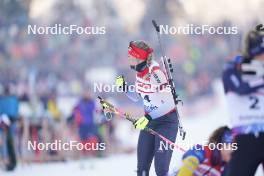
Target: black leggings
(249, 155)
(149, 145)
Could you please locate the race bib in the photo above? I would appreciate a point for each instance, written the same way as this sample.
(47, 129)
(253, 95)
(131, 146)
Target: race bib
(246, 109)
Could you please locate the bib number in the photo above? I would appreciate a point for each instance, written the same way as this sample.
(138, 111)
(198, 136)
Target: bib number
(254, 102)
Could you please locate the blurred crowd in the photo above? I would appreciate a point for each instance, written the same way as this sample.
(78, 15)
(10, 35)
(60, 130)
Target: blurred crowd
(25, 121)
(59, 62)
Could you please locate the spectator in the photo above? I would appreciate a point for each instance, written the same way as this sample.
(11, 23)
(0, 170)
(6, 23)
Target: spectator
(84, 118)
(9, 115)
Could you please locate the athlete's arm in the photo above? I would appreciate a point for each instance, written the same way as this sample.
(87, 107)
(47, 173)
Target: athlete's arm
(121, 83)
(233, 82)
(134, 96)
(191, 160)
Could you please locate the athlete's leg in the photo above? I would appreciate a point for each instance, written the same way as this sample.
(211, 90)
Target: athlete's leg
(163, 156)
(145, 153)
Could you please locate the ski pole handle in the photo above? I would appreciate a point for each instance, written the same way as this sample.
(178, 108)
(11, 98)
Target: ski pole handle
(155, 26)
(127, 116)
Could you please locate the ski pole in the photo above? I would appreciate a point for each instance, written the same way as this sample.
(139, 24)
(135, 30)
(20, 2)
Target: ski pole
(169, 70)
(109, 108)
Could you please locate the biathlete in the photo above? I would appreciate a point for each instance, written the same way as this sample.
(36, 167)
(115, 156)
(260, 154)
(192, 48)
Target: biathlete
(243, 80)
(160, 112)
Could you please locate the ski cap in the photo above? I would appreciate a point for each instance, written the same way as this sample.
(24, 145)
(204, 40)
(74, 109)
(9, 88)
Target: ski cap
(255, 43)
(137, 52)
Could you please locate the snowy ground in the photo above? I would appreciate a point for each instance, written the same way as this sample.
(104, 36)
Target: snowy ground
(198, 128)
(112, 166)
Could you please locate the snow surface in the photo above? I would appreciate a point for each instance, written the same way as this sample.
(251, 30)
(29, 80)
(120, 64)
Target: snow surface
(198, 129)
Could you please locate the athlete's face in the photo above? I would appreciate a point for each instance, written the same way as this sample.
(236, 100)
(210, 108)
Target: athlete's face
(226, 153)
(260, 57)
(133, 61)
(136, 64)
